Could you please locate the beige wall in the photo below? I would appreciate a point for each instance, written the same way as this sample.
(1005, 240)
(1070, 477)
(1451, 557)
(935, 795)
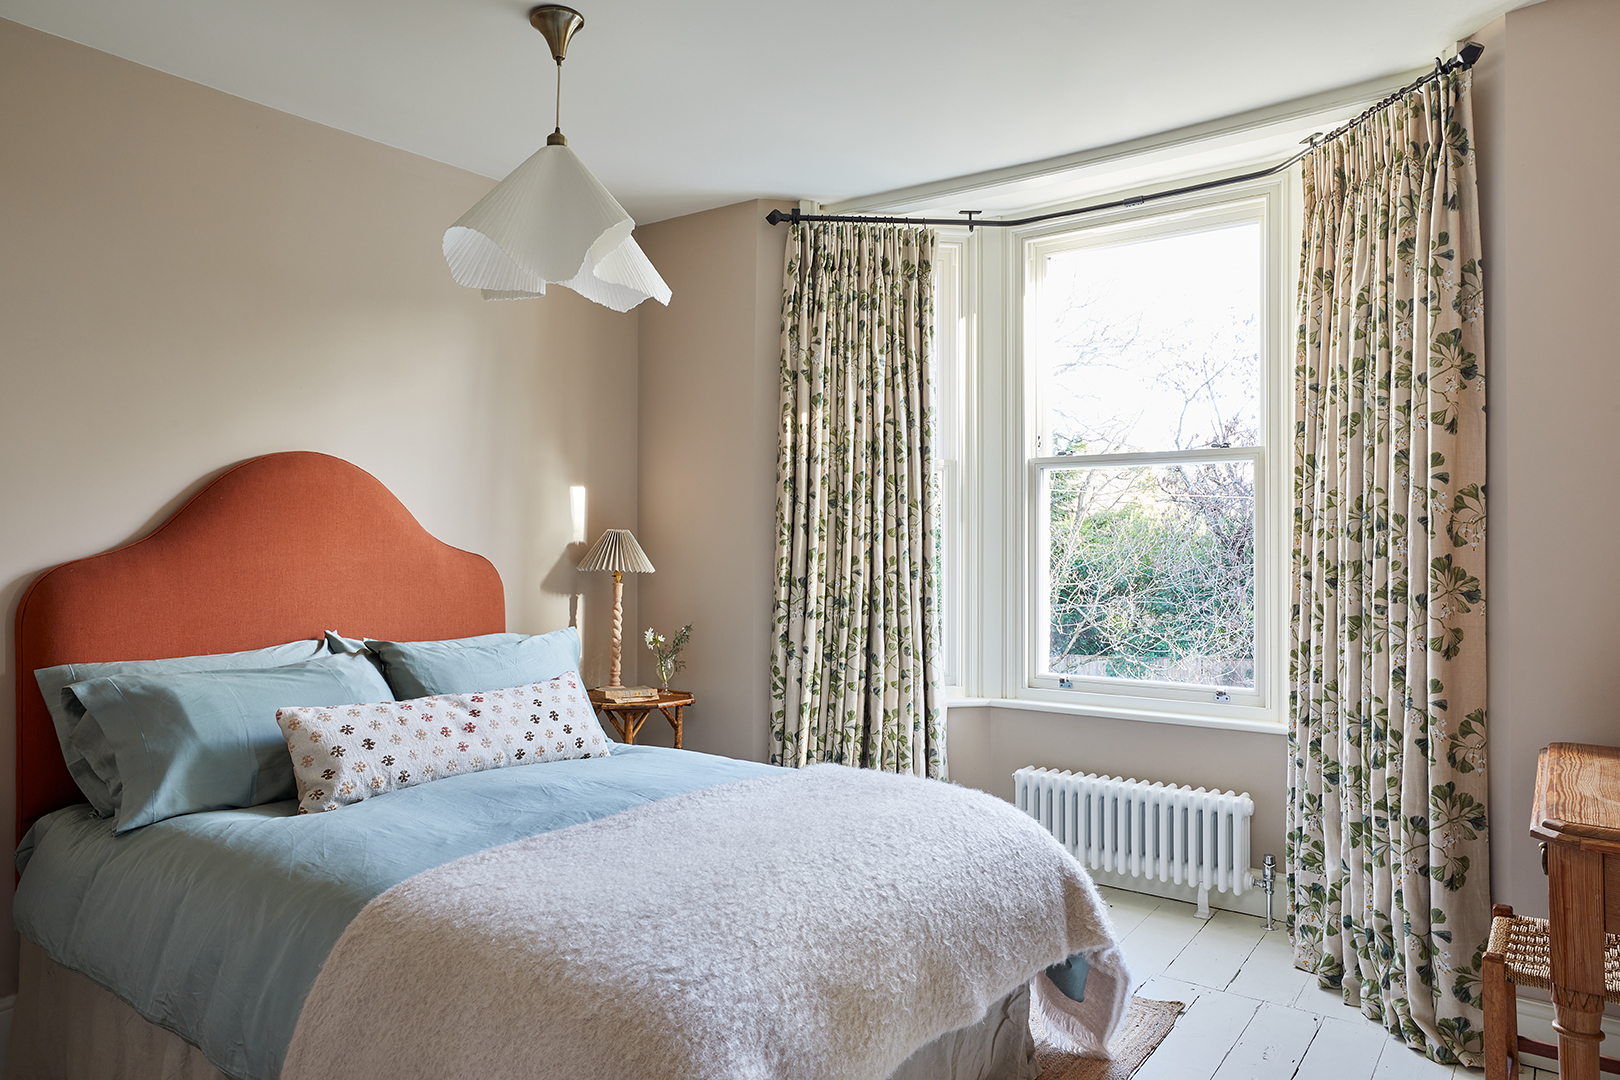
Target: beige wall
(188, 279)
(709, 393)
(1547, 93)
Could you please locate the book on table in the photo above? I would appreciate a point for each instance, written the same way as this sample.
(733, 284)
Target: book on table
(625, 695)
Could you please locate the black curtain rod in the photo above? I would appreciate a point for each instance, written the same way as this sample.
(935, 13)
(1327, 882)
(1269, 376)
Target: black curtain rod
(1466, 57)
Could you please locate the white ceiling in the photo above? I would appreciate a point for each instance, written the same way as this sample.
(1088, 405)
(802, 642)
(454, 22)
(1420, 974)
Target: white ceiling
(681, 107)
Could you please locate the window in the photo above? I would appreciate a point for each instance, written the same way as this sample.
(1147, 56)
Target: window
(1147, 361)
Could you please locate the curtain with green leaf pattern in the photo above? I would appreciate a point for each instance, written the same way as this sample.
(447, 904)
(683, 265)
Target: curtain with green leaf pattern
(1388, 865)
(854, 675)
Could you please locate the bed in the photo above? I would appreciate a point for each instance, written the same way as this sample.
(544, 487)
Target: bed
(194, 946)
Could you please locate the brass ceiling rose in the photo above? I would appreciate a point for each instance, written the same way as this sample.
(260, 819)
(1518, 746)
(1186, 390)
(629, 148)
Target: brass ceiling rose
(558, 25)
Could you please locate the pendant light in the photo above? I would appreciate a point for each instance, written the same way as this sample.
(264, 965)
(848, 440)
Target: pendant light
(551, 221)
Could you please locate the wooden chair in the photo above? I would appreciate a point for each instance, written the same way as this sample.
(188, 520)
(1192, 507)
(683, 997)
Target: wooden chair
(1519, 953)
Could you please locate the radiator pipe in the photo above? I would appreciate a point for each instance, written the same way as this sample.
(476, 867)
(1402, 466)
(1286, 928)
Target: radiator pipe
(1268, 881)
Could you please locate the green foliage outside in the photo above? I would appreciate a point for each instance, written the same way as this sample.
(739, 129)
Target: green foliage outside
(1152, 572)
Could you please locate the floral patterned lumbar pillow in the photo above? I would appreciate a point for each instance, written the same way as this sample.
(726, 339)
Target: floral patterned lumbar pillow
(344, 753)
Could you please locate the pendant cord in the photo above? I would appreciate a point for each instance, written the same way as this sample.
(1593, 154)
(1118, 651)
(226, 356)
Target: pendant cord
(559, 95)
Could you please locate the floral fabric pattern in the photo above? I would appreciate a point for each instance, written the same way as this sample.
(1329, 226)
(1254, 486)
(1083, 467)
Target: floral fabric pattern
(854, 672)
(1388, 858)
(344, 753)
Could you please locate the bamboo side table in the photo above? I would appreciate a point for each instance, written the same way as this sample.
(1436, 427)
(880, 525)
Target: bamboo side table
(628, 716)
(1576, 815)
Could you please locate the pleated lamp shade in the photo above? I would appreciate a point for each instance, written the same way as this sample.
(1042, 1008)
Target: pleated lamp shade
(617, 550)
(552, 222)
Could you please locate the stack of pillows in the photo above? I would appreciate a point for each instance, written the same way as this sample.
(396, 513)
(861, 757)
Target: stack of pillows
(328, 722)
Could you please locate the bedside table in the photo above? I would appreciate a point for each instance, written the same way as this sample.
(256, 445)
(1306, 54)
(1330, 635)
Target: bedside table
(627, 717)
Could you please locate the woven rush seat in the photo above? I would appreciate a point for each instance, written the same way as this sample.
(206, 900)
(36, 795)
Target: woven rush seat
(1526, 945)
(1519, 953)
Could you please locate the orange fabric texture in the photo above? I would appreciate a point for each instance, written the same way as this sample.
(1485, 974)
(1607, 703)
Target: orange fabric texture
(281, 547)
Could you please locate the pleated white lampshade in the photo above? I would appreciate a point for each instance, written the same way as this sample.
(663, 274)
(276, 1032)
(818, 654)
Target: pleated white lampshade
(552, 222)
(617, 550)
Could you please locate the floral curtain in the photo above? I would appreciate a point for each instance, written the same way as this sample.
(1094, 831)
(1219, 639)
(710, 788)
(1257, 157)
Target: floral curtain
(1388, 866)
(854, 675)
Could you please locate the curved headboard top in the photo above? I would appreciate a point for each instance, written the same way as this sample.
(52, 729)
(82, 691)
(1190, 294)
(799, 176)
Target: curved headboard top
(278, 548)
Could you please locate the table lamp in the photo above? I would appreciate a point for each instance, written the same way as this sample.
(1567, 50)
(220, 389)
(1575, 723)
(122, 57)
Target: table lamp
(617, 551)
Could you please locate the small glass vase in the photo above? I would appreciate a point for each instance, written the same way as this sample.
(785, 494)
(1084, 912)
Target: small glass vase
(666, 668)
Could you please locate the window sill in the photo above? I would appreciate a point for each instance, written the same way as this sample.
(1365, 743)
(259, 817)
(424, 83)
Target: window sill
(1228, 723)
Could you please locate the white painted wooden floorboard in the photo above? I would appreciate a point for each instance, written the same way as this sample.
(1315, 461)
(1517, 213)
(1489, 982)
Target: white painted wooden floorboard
(1269, 973)
(1128, 909)
(1164, 988)
(1312, 998)
(1272, 1046)
(1269, 1021)
(1401, 1062)
(1214, 957)
(1154, 944)
(1343, 1051)
(1199, 1042)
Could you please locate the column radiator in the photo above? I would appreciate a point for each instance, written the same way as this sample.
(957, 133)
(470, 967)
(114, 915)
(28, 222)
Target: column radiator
(1177, 834)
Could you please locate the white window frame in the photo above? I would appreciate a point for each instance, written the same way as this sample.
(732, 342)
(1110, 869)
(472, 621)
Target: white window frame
(1264, 202)
(952, 339)
(988, 540)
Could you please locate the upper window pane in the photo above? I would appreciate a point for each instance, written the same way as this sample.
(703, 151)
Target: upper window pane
(1151, 344)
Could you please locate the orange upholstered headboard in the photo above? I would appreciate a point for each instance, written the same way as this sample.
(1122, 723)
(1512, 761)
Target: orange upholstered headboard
(280, 547)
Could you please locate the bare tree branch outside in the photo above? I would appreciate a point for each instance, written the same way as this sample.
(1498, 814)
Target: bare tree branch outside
(1152, 348)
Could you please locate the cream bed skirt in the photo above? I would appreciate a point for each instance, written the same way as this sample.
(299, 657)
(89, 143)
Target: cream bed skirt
(66, 1027)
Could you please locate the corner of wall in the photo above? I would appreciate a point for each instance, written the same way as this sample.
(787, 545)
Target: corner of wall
(708, 461)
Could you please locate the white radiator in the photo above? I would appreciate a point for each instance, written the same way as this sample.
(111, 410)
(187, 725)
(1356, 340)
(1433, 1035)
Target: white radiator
(1175, 834)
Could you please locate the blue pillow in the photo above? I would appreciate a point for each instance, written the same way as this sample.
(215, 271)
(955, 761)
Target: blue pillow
(208, 740)
(72, 727)
(1069, 976)
(467, 665)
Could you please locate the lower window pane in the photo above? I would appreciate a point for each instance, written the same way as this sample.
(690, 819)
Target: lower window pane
(1151, 573)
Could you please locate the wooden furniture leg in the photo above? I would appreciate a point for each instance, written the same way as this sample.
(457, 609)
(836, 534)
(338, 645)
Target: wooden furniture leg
(1576, 887)
(674, 718)
(1501, 1014)
(627, 722)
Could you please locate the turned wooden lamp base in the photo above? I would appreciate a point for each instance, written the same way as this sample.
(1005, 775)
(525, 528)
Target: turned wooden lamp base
(618, 629)
(617, 550)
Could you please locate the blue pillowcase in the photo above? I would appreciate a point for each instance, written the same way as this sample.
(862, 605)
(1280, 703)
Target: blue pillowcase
(1069, 976)
(184, 742)
(467, 665)
(75, 729)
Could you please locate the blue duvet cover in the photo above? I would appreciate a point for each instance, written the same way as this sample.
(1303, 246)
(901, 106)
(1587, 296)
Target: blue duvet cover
(215, 925)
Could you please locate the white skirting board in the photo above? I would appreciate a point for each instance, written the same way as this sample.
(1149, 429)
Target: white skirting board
(1536, 1020)
(1252, 902)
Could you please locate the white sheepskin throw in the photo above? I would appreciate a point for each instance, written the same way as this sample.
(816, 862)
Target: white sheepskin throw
(821, 923)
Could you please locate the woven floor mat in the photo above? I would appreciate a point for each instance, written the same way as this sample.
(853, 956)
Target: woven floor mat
(1146, 1024)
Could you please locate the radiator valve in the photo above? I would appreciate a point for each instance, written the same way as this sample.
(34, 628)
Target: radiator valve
(1268, 881)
